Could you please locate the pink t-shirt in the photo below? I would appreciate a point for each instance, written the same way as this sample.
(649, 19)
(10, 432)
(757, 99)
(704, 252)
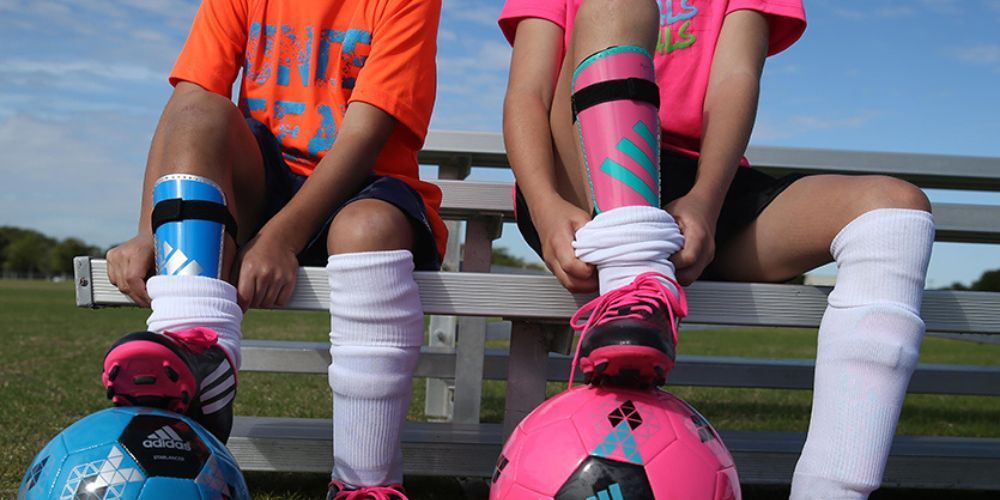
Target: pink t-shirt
(689, 30)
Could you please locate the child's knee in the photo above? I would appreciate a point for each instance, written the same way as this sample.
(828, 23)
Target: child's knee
(881, 191)
(369, 225)
(203, 112)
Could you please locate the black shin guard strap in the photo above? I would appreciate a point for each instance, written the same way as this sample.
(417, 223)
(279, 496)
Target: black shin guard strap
(176, 209)
(626, 89)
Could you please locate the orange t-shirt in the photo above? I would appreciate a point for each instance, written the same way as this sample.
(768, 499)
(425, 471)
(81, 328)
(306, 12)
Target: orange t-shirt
(304, 61)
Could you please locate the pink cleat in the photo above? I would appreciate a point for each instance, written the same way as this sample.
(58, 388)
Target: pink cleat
(629, 335)
(184, 372)
(340, 491)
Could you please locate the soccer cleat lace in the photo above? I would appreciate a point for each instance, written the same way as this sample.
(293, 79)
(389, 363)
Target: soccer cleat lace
(629, 335)
(339, 491)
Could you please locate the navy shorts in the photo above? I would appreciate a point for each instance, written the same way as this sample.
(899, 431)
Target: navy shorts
(282, 184)
(749, 194)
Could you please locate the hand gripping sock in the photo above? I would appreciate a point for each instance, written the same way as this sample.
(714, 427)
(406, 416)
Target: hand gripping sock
(376, 329)
(869, 341)
(187, 362)
(627, 242)
(615, 105)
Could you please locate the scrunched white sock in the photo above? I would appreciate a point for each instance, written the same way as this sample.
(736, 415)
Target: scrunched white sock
(376, 329)
(183, 302)
(628, 241)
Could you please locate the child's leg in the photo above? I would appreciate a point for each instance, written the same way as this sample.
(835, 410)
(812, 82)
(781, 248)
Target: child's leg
(616, 108)
(615, 103)
(879, 232)
(376, 329)
(202, 161)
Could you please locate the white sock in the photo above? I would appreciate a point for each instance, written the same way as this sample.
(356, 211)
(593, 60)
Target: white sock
(183, 302)
(628, 241)
(869, 342)
(376, 329)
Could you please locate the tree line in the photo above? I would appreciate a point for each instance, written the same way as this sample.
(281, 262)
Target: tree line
(27, 253)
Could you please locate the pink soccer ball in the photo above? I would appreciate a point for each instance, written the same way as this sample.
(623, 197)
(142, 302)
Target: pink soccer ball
(615, 444)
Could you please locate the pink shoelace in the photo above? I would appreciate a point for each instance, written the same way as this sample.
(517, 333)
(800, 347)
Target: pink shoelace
(639, 298)
(393, 491)
(198, 340)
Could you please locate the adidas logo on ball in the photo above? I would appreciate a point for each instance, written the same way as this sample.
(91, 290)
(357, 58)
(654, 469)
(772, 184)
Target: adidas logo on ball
(166, 437)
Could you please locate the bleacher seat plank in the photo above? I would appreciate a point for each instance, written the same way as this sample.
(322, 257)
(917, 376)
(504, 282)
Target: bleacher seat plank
(956, 222)
(486, 149)
(305, 445)
(541, 297)
(703, 371)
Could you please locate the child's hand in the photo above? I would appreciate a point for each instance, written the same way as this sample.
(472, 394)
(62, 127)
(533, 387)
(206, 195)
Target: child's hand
(697, 218)
(264, 273)
(129, 264)
(557, 223)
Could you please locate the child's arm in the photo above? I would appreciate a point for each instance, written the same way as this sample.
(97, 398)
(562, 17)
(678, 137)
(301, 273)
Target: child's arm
(729, 113)
(534, 66)
(394, 93)
(268, 263)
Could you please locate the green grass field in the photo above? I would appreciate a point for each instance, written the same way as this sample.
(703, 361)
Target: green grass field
(50, 377)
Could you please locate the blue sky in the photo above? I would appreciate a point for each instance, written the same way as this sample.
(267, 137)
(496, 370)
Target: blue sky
(82, 83)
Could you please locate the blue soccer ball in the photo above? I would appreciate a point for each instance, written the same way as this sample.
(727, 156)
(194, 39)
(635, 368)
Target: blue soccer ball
(134, 453)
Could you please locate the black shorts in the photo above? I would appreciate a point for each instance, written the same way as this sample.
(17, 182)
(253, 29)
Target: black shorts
(748, 195)
(282, 184)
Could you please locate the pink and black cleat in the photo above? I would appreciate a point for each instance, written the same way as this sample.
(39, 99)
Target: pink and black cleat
(186, 372)
(629, 335)
(339, 491)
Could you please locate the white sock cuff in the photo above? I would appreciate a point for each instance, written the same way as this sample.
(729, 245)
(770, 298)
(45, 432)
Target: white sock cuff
(183, 302)
(374, 300)
(882, 257)
(899, 221)
(361, 268)
(628, 233)
(630, 215)
(628, 241)
(189, 286)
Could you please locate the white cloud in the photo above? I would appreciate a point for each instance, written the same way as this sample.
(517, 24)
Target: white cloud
(479, 12)
(884, 12)
(771, 129)
(814, 122)
(78, 178)
(82, 70)
(987, 54)
(488, 56)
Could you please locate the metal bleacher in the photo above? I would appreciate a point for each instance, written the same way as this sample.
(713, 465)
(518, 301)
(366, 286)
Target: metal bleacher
(537, 308)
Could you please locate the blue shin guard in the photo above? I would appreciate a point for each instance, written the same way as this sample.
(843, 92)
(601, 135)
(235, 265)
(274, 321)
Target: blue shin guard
(190, 221)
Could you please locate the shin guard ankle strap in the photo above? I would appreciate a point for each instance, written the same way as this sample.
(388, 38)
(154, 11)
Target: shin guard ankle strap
(177, 209)
(625, 89)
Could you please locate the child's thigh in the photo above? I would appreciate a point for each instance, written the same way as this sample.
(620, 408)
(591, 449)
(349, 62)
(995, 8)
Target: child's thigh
(370, 224)
(794, 233)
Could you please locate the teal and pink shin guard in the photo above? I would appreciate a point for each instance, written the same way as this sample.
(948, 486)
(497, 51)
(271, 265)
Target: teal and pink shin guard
(616, 109)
